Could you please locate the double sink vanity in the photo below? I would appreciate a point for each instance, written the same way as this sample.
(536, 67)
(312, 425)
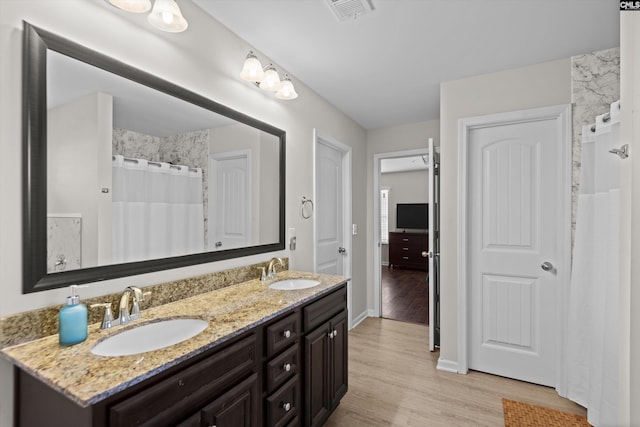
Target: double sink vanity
(248, 354)
(234, 351)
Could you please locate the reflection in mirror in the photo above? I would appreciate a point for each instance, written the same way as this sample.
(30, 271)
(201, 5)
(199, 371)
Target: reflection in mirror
(141, 175)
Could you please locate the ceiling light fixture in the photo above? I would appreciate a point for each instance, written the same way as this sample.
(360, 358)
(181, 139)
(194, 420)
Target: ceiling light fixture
(267, 78)
(165, 16)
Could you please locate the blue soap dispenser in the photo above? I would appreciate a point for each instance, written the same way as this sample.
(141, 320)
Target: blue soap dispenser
(73, 319)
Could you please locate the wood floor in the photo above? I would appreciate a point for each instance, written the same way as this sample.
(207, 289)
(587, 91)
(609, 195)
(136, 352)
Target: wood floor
(405, 295)
(393, 381)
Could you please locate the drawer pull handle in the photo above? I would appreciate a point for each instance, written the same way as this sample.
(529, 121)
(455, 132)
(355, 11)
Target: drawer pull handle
(405, 249)
(287, 333)
(405, 257)
(287, 367)
(286, 406)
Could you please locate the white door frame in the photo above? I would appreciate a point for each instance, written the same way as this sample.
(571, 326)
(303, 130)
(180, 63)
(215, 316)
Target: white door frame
(377, 252)
(562, 115)
(346, 204)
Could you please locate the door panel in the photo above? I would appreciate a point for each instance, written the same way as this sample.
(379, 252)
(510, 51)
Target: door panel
(434, 246)
(329, 178)
(229, 202)
(512, 215)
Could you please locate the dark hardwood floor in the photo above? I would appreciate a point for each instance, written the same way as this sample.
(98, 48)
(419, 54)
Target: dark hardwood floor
(405, 295)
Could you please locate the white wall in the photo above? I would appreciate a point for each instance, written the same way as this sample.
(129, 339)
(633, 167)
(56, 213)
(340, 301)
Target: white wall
(528, 87)
(205, 59)
(405, 187)
(388, 140)
(78, 142)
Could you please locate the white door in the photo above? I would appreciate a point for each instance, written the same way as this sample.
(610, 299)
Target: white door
(229, 200)
(434, 247)
(514, 207)
(330, 250)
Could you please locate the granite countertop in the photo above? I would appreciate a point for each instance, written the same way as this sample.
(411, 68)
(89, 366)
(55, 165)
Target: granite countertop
(87, 379)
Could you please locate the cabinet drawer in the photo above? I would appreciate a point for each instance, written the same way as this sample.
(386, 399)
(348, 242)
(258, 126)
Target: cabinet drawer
(162, 403)
(282, 406)
(322, 310)
(282, 334)
(282, 367)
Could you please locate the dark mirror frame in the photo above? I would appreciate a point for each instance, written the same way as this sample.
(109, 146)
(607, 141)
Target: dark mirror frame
(36, 42)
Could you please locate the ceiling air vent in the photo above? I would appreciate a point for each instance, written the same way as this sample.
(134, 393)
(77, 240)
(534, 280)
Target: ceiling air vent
(349, 9)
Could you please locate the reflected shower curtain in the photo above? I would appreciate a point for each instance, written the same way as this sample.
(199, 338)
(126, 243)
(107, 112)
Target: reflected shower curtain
(592, 347)
(158, 210)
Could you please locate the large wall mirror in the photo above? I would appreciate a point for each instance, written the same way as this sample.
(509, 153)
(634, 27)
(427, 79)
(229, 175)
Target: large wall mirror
(126, 174)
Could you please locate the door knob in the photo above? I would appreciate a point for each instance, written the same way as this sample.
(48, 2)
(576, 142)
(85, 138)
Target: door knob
(546, 266)
(341, 250)
(218, 244)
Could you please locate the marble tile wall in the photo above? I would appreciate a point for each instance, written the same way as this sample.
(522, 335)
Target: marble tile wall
(64, 243)
(595, 84)
(28, 326)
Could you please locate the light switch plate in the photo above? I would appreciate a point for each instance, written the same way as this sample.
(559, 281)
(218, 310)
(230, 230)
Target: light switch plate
(354, 229)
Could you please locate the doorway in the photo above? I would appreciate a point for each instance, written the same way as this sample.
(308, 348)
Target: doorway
(333, 221)
(401, 290)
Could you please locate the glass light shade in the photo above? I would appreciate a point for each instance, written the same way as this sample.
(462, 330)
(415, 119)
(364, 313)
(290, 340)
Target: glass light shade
(271, 80)
(134, 6)
(252, 69)
(286, 91)
(166, 16)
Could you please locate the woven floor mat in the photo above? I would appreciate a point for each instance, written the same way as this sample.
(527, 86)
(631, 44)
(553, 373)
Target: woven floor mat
(520, 414)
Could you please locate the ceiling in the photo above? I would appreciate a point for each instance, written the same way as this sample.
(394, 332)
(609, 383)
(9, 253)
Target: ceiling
(385, 68)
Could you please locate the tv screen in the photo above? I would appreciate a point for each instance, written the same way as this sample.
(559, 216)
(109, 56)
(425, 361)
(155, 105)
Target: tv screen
(412, 215)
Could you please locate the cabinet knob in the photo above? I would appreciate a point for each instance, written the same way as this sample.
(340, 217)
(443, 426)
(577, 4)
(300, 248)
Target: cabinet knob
(287, 367)
(330, 335)
(286, 406)
(287, 333)
(335, 333)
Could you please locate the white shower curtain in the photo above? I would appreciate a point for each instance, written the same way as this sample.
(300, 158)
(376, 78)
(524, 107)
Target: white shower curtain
(158, 210)
(592, 347)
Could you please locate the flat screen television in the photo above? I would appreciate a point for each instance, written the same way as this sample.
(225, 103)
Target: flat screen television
(412, 216)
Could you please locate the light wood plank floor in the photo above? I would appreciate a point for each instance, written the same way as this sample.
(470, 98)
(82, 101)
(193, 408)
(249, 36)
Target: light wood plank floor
(393, 381)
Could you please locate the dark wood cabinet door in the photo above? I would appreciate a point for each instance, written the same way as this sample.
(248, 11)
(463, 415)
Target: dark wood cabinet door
(236, 408)
(339, 358)
(317, 402)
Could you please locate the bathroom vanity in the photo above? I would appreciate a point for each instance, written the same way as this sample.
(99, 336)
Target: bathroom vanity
(267, 358)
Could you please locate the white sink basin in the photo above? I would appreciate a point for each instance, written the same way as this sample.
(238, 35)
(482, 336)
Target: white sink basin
(149, 337)
(293, 284)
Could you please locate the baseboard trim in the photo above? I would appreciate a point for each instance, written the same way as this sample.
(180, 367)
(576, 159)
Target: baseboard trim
(372, 313)
(447, 365)
(357, 320)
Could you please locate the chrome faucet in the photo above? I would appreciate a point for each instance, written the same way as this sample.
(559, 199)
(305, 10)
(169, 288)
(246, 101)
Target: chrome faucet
(271, 269)
(125, 315)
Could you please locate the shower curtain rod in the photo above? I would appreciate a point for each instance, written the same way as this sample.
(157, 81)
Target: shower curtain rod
(131, 159)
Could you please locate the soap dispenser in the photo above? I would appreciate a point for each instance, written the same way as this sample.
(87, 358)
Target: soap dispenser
(73, 319)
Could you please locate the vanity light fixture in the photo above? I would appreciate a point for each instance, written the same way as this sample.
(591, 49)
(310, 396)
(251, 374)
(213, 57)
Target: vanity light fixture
(165, 16)
(133, 6)
(267, 78)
